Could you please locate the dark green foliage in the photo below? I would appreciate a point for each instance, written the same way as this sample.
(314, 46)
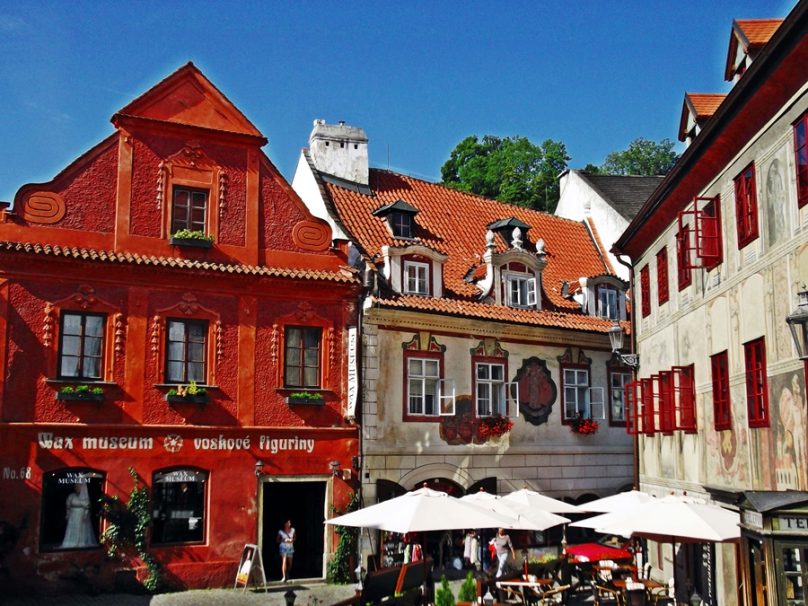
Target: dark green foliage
(510, 170)
(339, 567)
(128, 527)
(642, 157)
(468, 590)
(444, 596)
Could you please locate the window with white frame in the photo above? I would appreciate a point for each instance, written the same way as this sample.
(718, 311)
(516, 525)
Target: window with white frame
(416, 278)
(617, 402)
(423, 386)
(607, 302)
(520, 290)
(579, 398)
(490, 390)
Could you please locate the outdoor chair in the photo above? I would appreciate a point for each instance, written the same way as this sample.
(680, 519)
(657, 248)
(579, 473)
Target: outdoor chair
(556, 595)
(607, 595)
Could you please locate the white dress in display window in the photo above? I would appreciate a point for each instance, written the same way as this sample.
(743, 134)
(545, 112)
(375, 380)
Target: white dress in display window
(79, 531)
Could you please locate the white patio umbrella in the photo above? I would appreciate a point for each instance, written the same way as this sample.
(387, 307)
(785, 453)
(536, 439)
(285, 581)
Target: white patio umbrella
(607, 520)
(677, 520)
(538, 501)
(524, 518)
(622, 501)
(423, 510)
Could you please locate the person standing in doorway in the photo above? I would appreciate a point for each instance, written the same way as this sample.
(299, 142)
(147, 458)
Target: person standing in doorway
(286, 545)
(502, 543)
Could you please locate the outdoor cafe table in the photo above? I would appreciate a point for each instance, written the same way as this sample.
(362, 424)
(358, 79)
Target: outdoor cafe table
(649, 584)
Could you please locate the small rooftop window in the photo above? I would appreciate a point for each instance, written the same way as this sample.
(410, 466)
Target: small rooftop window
(400, 217)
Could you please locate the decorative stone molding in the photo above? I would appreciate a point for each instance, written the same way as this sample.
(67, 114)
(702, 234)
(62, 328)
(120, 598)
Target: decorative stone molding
(222, 192)
(119, 332)
(490, 348)
(47, 325)
(423, 341)
(43, 207)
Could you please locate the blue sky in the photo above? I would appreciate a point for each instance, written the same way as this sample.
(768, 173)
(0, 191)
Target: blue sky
(417, 76)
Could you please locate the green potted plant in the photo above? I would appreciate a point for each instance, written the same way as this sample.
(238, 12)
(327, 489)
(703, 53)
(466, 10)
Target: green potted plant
(468, 590)
(305, 397)
(444, 595)
(190, 237)
(81, 393)
(187, 394)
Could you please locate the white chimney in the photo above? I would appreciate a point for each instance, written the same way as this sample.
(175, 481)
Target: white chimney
(340, 150)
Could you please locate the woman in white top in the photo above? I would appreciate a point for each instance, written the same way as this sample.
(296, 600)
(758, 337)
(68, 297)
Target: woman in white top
(286, 546)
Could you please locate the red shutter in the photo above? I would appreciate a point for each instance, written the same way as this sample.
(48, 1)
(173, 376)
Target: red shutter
(801, 159)
(683, 266)
(664, 395)
(721, 403)
(746, 213)
(685, 391)
(662, 274)
(645, 291)
(757, 398)
(648, 425)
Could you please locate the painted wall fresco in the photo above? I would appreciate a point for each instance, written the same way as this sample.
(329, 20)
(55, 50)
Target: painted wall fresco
(537, 391)
(787, 400)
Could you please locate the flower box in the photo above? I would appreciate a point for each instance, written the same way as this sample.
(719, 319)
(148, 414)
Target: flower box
(200, 398)
(80, 396)
(311, 400)
(191, 242)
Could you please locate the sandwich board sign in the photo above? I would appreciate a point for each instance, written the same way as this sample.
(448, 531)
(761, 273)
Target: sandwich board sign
(250, 562)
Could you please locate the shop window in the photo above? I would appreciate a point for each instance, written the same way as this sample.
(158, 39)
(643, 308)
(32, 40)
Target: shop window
(662, 275)
(721, 404)
(188, 209)
(416, 278)
(178, 498)
(746, 210)
(685, 397)
(794, 589)
(618, 380)
(645, 291)
(70, 511)
(428, 394)
(801, 157)
(520, 289)
(580, 400)
(607, 302)
(81, 346)
(684, 273)
(302, 359)
(186, 348)
(757, 397)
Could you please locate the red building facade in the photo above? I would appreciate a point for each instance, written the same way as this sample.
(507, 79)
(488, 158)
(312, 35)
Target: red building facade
(164, 300)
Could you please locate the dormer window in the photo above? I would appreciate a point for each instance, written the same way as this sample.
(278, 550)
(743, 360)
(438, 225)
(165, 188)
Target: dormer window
(520, 286)
(400, 218)
(506, 228)
(607, 304)
(401, 224)
(416, 278)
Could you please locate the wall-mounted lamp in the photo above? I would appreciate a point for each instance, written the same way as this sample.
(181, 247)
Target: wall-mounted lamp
(334, 466)
(616, 335)
(798, 323)
(259, 468)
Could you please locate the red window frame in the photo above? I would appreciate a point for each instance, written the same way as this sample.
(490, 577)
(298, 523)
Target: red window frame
(664, 393)
(662, 275)
(685, 391)
(712, 240)
(722, 412)
(757, 392)
(801, 158)
(645, 291)
(647, 399)
(746, 208)
(684, 275)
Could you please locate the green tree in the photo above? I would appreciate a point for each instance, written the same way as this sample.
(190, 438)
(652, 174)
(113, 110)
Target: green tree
(510, 169)
(642, 157)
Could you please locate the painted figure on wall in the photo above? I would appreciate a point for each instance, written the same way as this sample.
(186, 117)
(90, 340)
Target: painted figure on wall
(776, 202)
(790, 454)
(537, 391)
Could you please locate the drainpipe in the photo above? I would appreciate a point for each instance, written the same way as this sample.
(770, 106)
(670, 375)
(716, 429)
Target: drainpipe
(636, 437)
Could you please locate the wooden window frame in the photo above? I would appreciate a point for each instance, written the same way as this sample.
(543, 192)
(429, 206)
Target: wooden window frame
(205, 349)
(746, 206)
(801, 159)
(722, 404)
(664, 395)
(710, 217)
(81, 377)
(663, 291)
(421, 355)
(301, 367)
(685, 397)
(757, 391)
(401, 222)
(530, 289)
(566, 420)
(647, 404)
(489, 360)
(606, 288)
(612, 371)
(684, 273)
(416, 266)
(645, 291)
(187, 222)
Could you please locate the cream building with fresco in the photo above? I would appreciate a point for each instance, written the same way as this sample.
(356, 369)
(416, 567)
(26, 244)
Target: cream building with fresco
(477, 315)
(719, 254)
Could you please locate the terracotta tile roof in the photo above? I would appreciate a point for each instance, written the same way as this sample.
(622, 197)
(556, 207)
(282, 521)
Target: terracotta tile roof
(758, 31)
(455, 223)
(345, 274)
(500, 313)
(705, 104)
